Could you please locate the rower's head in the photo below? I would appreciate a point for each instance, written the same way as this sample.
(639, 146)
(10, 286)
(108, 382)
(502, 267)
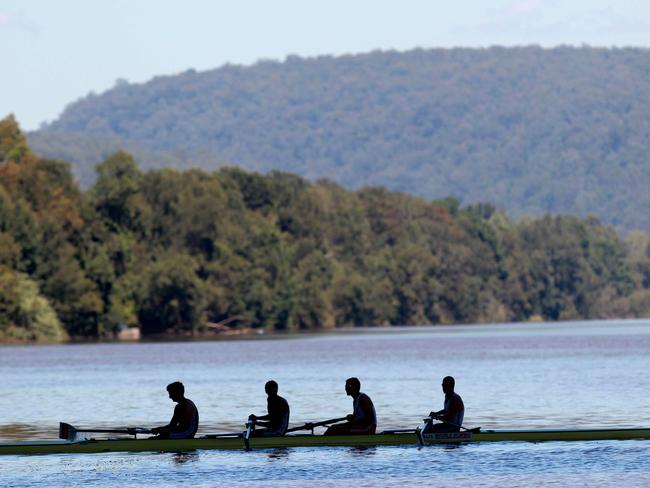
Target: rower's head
(448, 384)
(352, 386)
(271, 388)
(176, 390)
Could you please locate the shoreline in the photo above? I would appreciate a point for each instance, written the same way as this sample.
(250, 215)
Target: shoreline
(603, 325)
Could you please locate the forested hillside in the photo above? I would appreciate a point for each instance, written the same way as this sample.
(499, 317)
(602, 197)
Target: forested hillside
(171, 251)
(532, 130)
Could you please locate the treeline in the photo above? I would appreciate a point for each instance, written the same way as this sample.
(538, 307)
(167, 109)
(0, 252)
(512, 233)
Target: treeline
(171, 251)
(531, 130)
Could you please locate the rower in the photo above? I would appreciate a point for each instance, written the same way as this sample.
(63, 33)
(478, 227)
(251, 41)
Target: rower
(452, 415)
(363, 419)
(276, 421)
(185, 421)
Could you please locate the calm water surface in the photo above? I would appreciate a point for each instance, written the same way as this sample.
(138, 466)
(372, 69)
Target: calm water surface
(542, 375)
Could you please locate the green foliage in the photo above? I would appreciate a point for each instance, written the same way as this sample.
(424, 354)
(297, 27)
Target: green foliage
(24, 313)
(531, 130)
(116, 194)
(13, 144)
(563, 268)
(75, 297)
(172, 297)
(174, 252)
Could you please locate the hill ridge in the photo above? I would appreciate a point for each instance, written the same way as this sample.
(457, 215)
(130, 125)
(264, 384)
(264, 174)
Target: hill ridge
(533, 130)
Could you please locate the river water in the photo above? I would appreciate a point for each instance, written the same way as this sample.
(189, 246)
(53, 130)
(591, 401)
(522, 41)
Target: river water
(582, 374)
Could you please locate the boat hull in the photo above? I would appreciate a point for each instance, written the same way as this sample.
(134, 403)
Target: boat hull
(291, 441)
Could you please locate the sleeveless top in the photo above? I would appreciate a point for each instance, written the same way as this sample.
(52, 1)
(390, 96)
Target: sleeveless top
(359, 415)
(188, 425)
(278, 409)
(460, 414)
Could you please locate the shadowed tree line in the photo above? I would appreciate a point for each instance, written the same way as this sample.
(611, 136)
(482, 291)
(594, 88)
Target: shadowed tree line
(172, 251)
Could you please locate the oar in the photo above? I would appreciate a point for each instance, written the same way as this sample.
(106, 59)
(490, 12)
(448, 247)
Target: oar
(420, 431)
(223, 434)
(311, 425)
(247, 434)
(67, 431)
(473, 430)
(399, 431)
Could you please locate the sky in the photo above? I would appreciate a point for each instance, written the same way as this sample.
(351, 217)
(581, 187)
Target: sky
(53, 52)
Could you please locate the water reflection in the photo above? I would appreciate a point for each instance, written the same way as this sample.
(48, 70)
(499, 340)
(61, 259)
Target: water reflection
(23, 431)
(450, 447)
(279, 453)
(185, 457)
(364, 451)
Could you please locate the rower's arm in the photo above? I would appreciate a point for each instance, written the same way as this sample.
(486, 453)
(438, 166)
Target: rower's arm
(176, 418)
(261, 417)
(350, 417)
(450, 414)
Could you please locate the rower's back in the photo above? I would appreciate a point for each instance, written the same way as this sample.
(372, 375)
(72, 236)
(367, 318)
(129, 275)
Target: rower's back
(188, 420)
(363, 411)
(279, 412)
(455, 410)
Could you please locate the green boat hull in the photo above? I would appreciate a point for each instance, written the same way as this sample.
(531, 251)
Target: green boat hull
(291, 441)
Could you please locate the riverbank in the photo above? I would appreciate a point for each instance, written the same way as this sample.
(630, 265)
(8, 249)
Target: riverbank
(506, 328)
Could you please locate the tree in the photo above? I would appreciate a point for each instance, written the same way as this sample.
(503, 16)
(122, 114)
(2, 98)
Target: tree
(116, 195)
(172, 297)
(13, 144)
(24, 313)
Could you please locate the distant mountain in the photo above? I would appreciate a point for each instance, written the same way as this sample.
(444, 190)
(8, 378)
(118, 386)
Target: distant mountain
(532, 130)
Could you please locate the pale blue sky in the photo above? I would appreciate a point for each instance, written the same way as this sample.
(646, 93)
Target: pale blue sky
(55, 51)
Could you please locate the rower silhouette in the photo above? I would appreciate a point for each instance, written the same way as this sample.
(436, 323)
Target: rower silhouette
(185, 421)
(363, 419)
(276, 421)
(453, 413)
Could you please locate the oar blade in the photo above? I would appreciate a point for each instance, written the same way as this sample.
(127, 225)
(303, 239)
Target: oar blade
(67, 431)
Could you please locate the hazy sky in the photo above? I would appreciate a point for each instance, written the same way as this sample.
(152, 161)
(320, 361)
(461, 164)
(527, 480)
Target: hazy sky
(55, 51)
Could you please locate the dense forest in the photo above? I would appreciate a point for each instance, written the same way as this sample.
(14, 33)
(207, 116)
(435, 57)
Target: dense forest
(532, 130)
(170, 252)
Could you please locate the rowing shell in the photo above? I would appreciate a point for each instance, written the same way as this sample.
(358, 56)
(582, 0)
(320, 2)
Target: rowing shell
(382, 439)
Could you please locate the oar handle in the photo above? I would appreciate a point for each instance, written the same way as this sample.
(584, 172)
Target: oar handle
(440, 419)
(311, 425)
(250, 426)
(430, 418)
